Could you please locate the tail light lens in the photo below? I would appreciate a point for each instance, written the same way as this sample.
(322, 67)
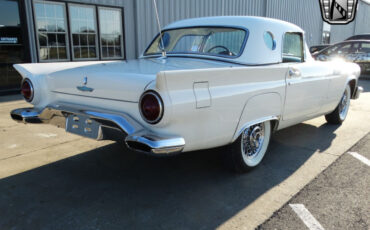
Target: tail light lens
(27, 90)
(151, 107)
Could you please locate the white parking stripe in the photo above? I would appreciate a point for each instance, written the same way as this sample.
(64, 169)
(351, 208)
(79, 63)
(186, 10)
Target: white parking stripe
(360, 158)
(306, 217)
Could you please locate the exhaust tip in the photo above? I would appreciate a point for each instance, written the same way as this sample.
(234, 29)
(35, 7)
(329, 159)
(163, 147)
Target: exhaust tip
(16, 117)
(138, 146)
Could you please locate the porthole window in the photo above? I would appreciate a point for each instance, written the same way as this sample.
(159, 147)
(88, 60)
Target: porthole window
(268, 37)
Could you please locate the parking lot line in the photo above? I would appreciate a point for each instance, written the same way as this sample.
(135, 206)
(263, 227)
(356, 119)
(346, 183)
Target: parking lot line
(306, 217)
(360, 158)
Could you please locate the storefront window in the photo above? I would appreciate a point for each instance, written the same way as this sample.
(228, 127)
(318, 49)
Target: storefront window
(51, 31)
(83, 30)
(12, 49)
(111, 38)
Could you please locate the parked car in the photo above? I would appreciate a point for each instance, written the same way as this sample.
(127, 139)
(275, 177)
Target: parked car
(202, 83)
(359, 37)
(317, 48)
(357, 51)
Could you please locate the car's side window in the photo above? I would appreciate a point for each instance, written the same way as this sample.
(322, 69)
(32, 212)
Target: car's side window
(293, 47)
(365, 48)
(346, 49)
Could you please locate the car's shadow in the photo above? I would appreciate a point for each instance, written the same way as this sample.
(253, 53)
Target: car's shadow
(109, 189)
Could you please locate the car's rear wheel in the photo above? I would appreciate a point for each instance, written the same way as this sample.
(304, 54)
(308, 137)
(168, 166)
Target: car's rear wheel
(340, 113)
(249, 149)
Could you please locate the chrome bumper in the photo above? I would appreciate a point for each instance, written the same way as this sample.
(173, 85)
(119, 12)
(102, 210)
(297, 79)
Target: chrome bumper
(133, 133)
(357, 92)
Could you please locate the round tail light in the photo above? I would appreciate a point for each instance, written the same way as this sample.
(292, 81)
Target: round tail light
(151, 107)
(27, 90)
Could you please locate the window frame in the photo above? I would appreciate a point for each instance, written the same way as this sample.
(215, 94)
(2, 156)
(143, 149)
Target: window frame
(35, 24)
(242, 49)
(96, 33)
(303, 57)
(123, 47)
(69, 34)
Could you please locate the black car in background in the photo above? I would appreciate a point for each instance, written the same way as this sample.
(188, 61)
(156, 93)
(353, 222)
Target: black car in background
(357, 51)
(359, 37)
(317, 48)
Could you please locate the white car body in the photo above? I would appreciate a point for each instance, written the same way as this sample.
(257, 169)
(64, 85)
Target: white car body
(208, 101)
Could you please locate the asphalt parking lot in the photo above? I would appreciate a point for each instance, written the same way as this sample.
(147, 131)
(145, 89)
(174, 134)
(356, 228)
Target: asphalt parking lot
(53, 180)
(338, 198)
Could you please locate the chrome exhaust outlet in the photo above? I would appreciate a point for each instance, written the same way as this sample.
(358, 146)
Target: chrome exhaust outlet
(26, 115)
(153, 144)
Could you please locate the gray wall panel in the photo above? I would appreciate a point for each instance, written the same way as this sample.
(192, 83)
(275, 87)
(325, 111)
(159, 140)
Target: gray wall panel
(303, 13)
(341, 32)
(362, 25)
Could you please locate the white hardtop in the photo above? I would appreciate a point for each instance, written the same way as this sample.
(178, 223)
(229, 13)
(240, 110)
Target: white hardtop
(247, 22)
(255, 51)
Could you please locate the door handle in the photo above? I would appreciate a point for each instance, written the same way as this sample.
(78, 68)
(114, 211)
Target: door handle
(294, 73)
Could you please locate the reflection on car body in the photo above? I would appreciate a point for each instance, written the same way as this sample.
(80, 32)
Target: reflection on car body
(357, 51)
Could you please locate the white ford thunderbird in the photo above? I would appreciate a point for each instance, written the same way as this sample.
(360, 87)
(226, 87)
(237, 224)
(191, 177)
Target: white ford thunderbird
(201, 83)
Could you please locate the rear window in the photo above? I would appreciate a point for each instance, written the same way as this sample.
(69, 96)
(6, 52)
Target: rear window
(216, 41)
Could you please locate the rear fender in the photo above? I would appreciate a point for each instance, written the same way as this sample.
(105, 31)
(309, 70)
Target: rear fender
(260, 108)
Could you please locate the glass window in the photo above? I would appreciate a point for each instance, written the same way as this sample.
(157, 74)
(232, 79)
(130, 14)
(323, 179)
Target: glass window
(83, 31)
(365, 48)
(345, 49)
(269, 40)
(111, 36)
(216, 41)
(51, 31)
(293, 47)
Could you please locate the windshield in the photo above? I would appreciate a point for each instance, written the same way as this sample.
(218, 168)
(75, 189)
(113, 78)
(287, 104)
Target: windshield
(218, 41)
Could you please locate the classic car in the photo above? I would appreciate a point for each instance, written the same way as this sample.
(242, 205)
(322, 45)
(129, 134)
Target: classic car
(359, 37)
(317, 48)
(201, 83)
(357, 51)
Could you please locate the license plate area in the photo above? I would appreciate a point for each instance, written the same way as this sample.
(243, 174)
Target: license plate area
(83, 126)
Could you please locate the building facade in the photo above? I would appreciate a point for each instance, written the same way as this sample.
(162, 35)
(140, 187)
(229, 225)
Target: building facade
(84, 30)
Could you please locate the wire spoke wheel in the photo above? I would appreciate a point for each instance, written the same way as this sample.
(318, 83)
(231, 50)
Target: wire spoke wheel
(250, 148)
(340, 113)
(252, 140)
(344, 105)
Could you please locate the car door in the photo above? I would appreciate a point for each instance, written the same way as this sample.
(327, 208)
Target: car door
(306, 80)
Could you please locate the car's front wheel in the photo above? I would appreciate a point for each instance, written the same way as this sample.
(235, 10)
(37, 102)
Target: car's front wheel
(251, 146)
(340, 113)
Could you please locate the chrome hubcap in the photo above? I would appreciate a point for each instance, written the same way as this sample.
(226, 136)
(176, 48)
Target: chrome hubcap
(252, 140)
(343, 105)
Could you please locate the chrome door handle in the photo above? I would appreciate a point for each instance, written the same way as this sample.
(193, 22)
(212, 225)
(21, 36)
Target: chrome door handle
(294, 73)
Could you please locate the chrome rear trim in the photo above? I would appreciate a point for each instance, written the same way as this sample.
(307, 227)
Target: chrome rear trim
(136, 136)
(357, 93)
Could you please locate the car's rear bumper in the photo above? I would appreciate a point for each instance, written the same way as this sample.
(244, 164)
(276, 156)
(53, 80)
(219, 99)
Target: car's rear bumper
(357, 92)
(133, 133)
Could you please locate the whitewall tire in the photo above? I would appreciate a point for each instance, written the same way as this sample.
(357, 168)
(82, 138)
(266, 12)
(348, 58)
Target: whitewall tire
(340, 113)
(249, 149)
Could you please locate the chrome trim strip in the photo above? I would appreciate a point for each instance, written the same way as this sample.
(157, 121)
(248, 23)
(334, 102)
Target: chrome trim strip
(103, 98)
(85, 88)
(260, 120)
